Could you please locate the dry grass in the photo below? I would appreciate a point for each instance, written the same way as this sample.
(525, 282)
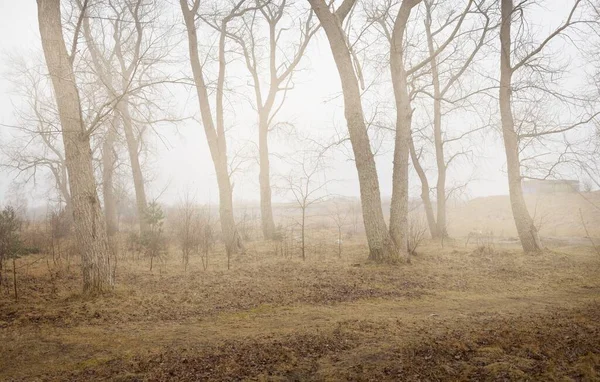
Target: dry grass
(454, 313)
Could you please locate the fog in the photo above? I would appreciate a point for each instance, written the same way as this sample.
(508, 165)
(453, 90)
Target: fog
(180, 160)
(299, 190)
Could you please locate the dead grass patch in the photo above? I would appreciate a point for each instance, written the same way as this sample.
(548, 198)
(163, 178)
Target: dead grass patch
(274, 318)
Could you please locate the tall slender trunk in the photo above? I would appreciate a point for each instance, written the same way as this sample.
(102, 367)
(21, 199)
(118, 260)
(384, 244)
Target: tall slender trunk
(528, 234)
(303, 232)
(214, 136)
(424, 191)
(278, 74)
(264, 115)
(90, 230)
(233, 241)
(381, 245)
(109, 160)
(134, 158)
(438, 139)
(442, 229)
(399, 203)
(122, 107)
(264, 177)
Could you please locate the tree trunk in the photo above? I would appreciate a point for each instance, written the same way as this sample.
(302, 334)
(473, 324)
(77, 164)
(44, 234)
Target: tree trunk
(527, 231)
(381, 245)
(63, 186)
(233, 242)
(89, 224)
(399, 203)
(303, 226)
(108, 168)
(265, 109)
(134, 159)
(442, 230)
(215, 137)
(264, 177)
(424, 192)
(106, 75)
(14, 261)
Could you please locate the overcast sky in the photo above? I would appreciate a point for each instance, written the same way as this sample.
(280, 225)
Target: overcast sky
(181, 160)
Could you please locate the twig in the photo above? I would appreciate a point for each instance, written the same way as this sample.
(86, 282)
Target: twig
(596, 248)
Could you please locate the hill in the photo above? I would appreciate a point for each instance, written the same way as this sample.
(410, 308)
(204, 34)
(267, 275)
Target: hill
(554, 214)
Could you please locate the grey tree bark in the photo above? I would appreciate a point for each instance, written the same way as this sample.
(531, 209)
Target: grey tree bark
(441, 228)
(134, 158)
(425, 197)
(90, 230)
(528, 234)
(403, 142)
(399, 203)
(109, 161)
(381, 245)
(264, 180)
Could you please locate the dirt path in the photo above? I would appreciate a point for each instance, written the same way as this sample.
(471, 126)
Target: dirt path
(49, 350)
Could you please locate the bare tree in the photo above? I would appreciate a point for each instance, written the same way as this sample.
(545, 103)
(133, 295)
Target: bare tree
(381, 245)
(214, 126)
(340, 216)
(194, 231)
(528, 234)
(122, 61)
(283, 59)
(88, 218)
(444, 80)
(391, 19)
(522, 56)
(399, 203)
(400, 73)
(307, 189)
(36, 144)
(186, 229)
(416, 231)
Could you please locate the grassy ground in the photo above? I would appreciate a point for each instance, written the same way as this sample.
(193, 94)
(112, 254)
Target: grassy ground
(454, 313)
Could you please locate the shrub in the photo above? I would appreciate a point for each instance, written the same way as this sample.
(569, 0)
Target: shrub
(153, 240)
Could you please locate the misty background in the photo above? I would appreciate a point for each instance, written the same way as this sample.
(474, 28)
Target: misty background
(178, 158)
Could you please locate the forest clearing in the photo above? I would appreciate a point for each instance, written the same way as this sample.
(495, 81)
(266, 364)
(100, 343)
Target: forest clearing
(455, 313)
(300, 190)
